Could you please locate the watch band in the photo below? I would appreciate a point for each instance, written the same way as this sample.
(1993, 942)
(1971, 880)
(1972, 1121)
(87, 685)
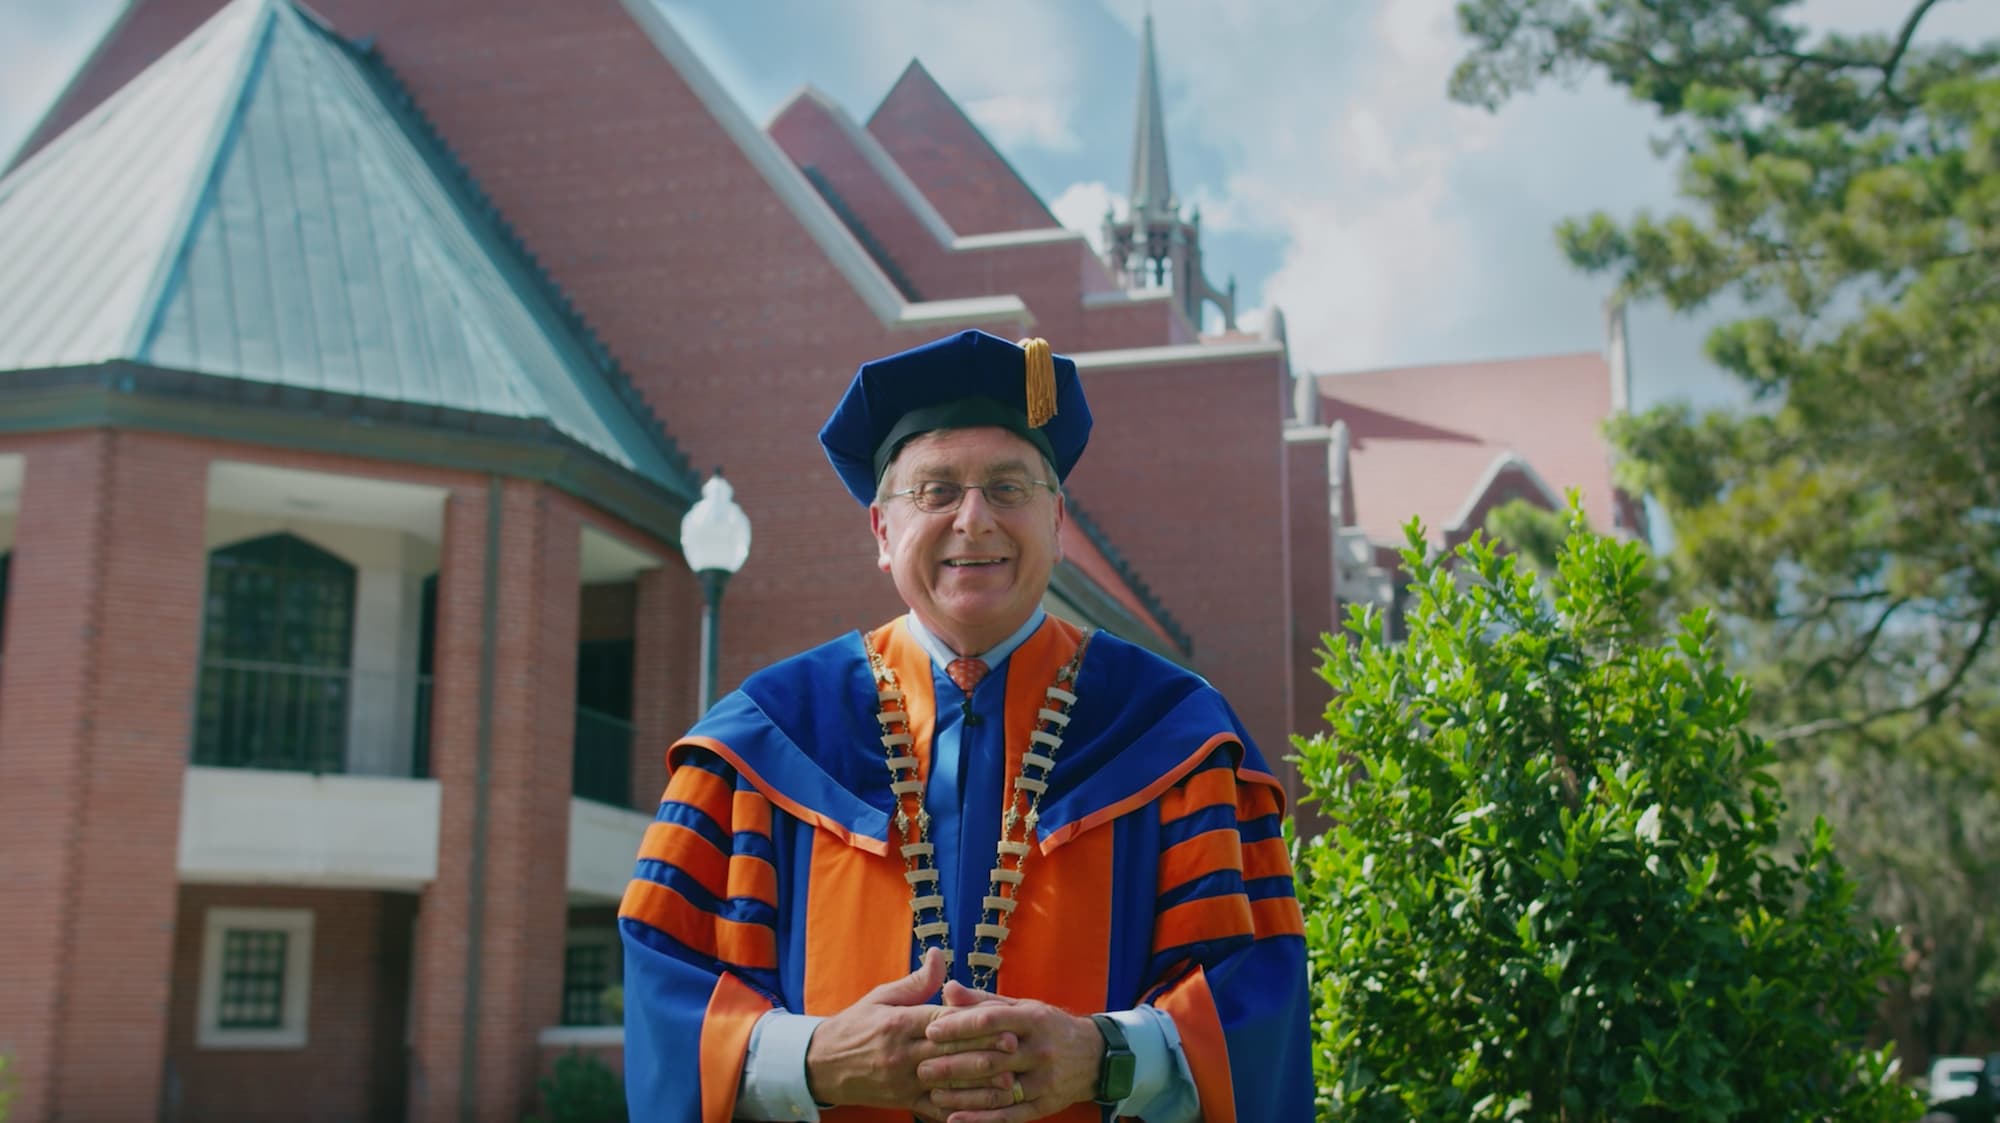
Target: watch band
(1118, 1066)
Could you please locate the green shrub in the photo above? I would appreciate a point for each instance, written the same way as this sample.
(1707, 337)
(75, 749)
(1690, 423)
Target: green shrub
(582, 1089)
(6, 1088)
(1557, 888)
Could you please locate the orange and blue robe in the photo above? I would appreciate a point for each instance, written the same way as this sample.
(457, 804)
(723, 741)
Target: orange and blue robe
(770, 878)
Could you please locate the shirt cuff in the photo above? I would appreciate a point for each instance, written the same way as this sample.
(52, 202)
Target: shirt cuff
(1163, 1088)
(774, 1085)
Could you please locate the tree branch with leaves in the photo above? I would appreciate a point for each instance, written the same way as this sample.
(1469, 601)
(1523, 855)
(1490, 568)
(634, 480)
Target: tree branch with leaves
(1846, 190)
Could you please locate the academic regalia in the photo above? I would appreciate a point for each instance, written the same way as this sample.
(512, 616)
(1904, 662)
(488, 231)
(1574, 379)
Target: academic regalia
(771, 876)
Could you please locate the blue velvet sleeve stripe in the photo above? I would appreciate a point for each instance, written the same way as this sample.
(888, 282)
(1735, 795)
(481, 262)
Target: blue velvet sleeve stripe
(1265, 888)
(743, 910)
(1203, 952)
(1221, 816)
(749, 910)
(696, 820)
(755, 844)
(696, 757)
(1262, 828)
(1221, 883)
(638, 931)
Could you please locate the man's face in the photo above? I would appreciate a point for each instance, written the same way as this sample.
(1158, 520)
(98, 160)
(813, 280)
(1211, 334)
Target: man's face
(972, 575)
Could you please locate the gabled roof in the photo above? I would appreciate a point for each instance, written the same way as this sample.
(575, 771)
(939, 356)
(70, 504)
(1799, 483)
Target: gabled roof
(258, 207)
(951, 161)
(1430, 441)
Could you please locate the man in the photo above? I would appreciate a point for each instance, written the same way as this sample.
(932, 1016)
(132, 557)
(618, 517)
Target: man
(1067, 838)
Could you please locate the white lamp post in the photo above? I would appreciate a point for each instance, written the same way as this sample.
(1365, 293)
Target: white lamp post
(715, 540)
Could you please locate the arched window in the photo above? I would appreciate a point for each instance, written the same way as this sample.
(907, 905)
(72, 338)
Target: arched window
(276, 653)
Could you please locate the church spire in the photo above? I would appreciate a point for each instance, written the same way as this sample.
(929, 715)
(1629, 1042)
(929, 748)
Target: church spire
(1153, 246)
(1152, 189)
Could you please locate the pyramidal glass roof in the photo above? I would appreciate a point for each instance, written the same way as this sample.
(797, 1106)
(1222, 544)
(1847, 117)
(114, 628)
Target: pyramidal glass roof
(256, 206)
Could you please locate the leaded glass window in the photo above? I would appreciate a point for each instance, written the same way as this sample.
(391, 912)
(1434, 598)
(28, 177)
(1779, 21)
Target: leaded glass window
(276, 657)
(587, 972)
(253, 979)
(255, 988)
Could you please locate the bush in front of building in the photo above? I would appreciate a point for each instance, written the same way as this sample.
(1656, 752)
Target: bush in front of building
(6, 1088)
(1557, 888)
(582, 1089)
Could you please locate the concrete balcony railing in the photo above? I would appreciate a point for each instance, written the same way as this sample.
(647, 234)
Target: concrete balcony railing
(319, 776)
(323, 720)
(308, 775)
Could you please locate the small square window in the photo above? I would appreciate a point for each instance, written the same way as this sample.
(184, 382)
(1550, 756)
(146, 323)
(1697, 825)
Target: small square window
(592, 962)
(256, 975)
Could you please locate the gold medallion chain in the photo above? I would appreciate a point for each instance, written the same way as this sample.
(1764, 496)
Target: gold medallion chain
(929, 920)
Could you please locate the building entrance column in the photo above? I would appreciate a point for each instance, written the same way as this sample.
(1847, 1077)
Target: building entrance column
(102, 633)
(490, 929)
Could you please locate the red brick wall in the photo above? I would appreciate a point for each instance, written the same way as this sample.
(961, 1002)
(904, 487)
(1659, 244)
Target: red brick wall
(1150, 323)
(666, 670)
(1312, 589)
(1050, 278)
(357, 937)
(660, 611)
(810, 135)
(704, 283)
(527, 833)
(106, 594)
(102, 629)
(527, 786)
(951, 161)
(741, 332)
(1509, 485)
(438, 1007)
(1191, 453)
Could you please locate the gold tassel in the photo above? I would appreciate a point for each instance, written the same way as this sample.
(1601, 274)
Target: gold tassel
(1041, 381)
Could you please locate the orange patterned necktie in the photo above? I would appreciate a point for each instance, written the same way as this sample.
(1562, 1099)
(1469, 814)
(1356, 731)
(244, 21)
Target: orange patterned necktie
(966, 673)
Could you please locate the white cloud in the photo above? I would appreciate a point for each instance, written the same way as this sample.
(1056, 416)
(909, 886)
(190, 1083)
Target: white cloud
(1359, 282)
(1015, 68)
(1368, 141)
(45, 44)
(1961, 19)
(1025, 120)
(1421, 32)
(1349, 158)
(1081, 207)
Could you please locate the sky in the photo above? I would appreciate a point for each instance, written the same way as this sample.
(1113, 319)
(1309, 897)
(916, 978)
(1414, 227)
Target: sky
(1334, 177)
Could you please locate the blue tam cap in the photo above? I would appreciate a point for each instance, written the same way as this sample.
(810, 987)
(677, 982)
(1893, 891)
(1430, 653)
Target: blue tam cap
(963, 381)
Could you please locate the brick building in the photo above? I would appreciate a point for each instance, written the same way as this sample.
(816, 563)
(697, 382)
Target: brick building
(352, 364)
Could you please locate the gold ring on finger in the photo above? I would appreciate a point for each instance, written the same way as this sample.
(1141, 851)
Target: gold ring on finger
(1020, 1093)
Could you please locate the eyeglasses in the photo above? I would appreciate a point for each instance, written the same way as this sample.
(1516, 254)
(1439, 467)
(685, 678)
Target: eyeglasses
(941, 497)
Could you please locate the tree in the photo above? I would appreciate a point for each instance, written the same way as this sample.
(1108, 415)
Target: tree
(1555, 889)
(1847, 531)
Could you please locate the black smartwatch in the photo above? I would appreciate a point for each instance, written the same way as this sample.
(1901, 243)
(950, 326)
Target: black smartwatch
(1114, 1072)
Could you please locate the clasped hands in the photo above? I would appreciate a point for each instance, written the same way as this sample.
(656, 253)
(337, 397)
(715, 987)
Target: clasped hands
(979, 1058)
